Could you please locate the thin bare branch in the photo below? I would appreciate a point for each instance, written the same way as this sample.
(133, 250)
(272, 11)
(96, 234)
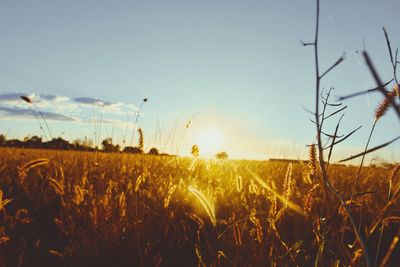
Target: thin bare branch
(306, 44)
(334, 138)
(389, 46)
(334, 104)
(309, 111)
(340, 60)
(327, 185)
(331, 135)
(344, 138)
(335, 112)
(370, 150)
(363, 92)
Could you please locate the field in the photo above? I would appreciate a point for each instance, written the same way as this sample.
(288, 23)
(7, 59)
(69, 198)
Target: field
(69, 209)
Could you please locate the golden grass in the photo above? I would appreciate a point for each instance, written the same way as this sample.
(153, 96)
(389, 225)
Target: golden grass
(132, 210)
(206, 204)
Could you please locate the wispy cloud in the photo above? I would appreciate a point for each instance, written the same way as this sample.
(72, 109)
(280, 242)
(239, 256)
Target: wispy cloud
(64, 108)
(21, 113)
(11, 97)
(113, 122)
(40, 100)
(92, 101)
(68, 104)
(107, 106)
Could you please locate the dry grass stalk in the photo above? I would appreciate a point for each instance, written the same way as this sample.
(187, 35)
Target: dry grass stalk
(122, 204)
(60, 225)
(259, 231)
(389, 252)
(141, 139)
(287, 184)
(78, 195)
(32, 164)
(206, 204)
(237, 234)
(312, 164)
(392, 180)
(281, 198)
(29, 101)
(389, 197)
(253, 188)
(239, 183)
(385, 104)
(273, 208)
(55, 253)
(3, 202)
(138, 182)
(168, 198)
(309, 199)
(58, 187)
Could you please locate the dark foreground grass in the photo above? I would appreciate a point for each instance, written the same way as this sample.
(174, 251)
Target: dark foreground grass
(65, 209)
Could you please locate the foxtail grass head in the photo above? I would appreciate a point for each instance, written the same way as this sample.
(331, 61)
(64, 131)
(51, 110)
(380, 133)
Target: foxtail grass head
(141, 139)
(382, 108)
(309, 199)
(312, 164)
(206, 203)
(26, 99)
(385, 103)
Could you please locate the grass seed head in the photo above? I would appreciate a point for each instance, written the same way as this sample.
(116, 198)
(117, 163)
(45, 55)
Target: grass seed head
(385, 103)
(239, 183)
(309, 199)
(26, 99)
(312, 164)
(141, 139)
(206, 204)
(382, 108)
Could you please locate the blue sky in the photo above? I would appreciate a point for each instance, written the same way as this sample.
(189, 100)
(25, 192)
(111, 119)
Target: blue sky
(235, 67)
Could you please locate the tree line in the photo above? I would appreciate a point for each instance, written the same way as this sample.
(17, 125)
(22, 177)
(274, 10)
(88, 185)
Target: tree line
(107, 145)
(78, 145)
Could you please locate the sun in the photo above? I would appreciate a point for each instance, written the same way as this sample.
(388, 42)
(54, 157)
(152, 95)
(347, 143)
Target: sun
(210, 141)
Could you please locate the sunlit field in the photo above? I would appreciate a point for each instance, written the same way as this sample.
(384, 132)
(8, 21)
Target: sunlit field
(199, 133)
(66, 209)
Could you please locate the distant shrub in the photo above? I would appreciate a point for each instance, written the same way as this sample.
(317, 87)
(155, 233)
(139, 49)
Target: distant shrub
(133, 150)
(154, 151)
(221, 155)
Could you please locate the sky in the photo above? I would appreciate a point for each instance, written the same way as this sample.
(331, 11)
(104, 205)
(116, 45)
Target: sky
(226, 75)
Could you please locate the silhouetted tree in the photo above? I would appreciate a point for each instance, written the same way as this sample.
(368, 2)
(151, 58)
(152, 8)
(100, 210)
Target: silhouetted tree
(58, 143)
(83, 144)
(14, 143)
(154, 151)
(195, 151)
(33, 141)
(221, 155)
(77, 142)
(108, 145)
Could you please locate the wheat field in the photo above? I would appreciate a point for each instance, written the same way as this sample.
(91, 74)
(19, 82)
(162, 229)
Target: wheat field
(66, 209)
